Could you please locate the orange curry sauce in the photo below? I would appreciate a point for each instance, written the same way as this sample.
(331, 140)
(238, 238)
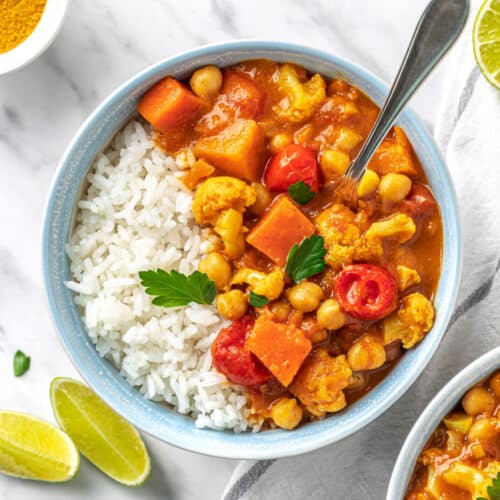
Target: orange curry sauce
(343, 107)
(462, 457)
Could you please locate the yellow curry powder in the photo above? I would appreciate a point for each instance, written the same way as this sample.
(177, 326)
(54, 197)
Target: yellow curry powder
(18, 19)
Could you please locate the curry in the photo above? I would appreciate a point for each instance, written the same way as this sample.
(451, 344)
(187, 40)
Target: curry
(323, 299)
(462, 457)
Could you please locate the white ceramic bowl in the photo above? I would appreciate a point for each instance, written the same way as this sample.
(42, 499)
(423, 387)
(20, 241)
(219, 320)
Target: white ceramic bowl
(42, 36)
(157, 419)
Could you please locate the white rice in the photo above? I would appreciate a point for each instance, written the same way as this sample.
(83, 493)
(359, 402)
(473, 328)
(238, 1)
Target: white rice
(136, 215)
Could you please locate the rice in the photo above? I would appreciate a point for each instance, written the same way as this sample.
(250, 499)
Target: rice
(136, 215)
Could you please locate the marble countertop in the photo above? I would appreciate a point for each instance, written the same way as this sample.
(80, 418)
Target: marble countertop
(103, 43)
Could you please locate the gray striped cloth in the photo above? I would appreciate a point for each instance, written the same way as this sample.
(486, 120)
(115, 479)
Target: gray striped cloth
(359, 467)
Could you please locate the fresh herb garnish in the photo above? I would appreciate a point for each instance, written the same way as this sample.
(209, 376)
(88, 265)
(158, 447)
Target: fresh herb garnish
(21, 363)
(257, 300)
(493, 490)
(174, 289)
(301, 192)
(306, 259)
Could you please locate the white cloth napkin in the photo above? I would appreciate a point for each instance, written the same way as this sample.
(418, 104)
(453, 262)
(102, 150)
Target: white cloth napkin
(359, 467)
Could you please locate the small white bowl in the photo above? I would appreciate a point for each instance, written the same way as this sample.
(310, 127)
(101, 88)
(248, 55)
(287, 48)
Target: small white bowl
(42, 36)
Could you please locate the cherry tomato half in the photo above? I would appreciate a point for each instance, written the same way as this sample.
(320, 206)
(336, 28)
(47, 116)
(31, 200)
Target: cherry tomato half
(291, 164)
(233, 359)
(366, 291)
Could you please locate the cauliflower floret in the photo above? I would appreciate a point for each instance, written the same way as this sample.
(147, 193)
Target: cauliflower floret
(270, 285)
(320, 382)
(230, 228)
(411, 322)
(472, 479)
(302, 98)
(218, 194)
(400, 226)
(220, 202)
(342, 231)
(406, 277)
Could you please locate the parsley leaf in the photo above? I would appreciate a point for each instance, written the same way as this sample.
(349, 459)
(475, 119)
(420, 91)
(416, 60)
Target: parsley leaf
(174, 289)
(493, 490)
(257, 300)
(21, 363)
(306, 259)
(301, 192)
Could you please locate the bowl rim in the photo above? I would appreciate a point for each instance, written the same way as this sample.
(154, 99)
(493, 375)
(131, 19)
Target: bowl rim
(39, 40)
(444, 401)
(290, 445)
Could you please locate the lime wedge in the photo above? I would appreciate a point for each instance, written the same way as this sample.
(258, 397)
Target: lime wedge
(34, 449)
(105, 438)
(486, 41)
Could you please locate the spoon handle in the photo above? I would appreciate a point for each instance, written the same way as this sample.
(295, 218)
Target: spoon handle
(437, 29)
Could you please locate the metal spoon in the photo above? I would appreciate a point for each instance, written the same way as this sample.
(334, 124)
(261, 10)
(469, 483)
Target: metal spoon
(437, 29)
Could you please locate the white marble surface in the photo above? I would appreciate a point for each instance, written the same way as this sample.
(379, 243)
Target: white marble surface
(102, 43)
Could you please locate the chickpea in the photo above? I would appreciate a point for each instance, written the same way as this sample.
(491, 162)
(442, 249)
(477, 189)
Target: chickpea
(206, 82)
(279, 141)
(478, 400)
(368, 183)
(305, 296)
(495, 384)
(286, 413)
(313, 331)
(486, 428)
(217, 268)
(263, 200)
(333, 163)
(347, 139)
(394, 187)
(366, 354)
(330, 316)
(281, 310)
(232, 305)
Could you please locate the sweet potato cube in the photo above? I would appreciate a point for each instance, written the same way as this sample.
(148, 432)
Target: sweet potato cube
(170, 104)
(394, 155)
(236, 150)
(281, 348)
(280, 228)
(199, 171)
(320, 382)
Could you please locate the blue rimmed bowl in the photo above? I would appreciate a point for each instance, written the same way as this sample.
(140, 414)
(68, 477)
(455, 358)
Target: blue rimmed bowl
(444, 401)
(155, 419)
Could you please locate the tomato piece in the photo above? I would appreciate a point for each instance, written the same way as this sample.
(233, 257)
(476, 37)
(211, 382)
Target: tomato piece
(289, 165)
(240, 97)
(419, 201)
(233, 359)
(243, 94)
(366, 291)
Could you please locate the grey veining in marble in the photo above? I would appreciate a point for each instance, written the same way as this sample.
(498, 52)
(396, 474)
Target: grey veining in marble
(102, 43)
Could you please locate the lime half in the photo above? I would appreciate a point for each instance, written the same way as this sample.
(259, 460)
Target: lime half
(486, 41)
(31, 448)
(103, 437)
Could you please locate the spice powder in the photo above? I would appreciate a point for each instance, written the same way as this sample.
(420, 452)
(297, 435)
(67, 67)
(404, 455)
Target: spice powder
(18, 19)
